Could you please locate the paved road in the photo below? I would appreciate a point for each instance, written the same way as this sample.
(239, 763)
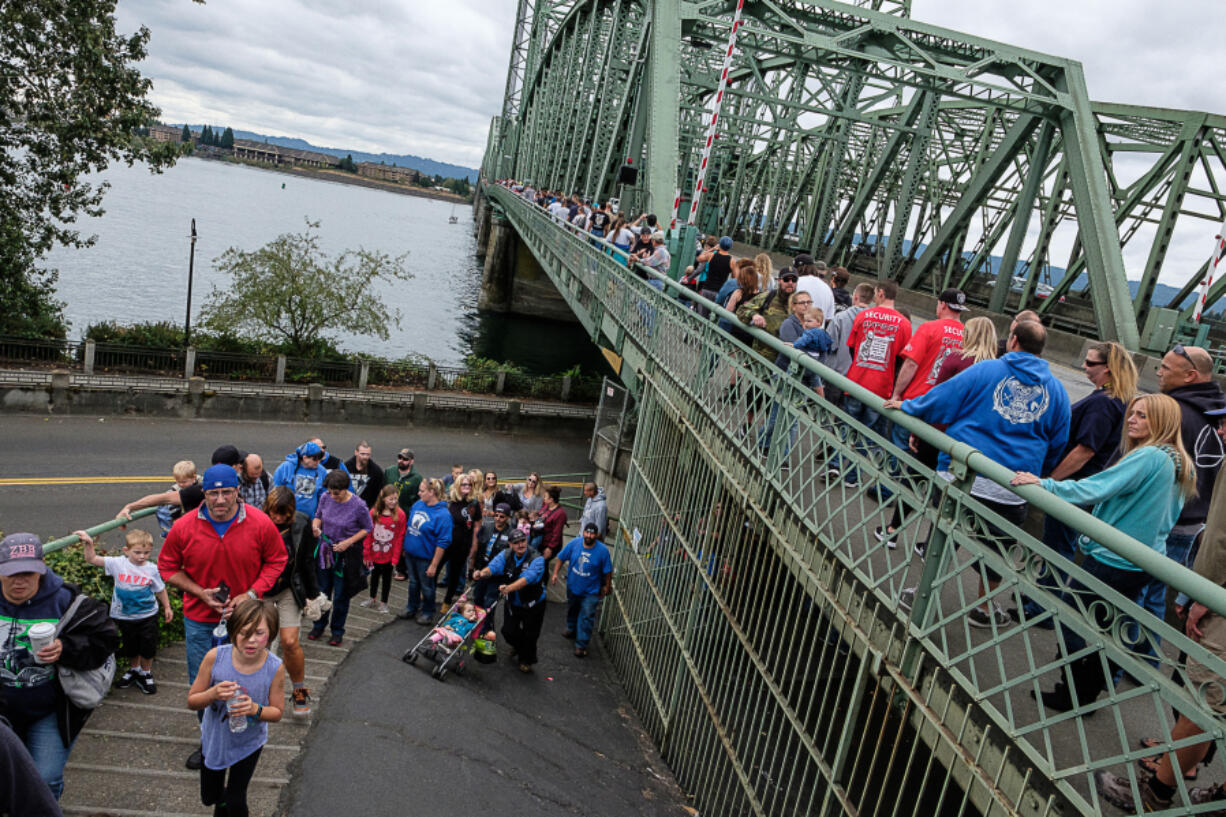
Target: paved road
(39, 447)
(561, 741)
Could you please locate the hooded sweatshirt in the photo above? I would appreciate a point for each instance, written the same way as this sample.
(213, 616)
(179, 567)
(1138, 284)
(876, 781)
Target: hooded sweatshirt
(1139, 496)
(306, 483)
(1011, 409)
(29, 687)
(596, 510)
(1201, 441)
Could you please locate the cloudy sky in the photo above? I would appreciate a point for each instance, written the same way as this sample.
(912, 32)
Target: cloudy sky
(424, 77)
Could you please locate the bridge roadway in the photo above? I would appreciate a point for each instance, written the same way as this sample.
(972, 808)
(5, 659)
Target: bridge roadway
(383, 734)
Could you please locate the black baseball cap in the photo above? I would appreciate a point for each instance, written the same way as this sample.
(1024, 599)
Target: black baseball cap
(955, 299)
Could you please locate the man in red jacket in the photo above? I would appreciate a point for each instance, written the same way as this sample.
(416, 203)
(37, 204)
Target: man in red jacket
(223, 541)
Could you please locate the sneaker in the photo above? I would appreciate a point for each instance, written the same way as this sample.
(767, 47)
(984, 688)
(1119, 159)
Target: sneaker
(407, 614)
(884, 536)
(921, 548)
(127, 679)
(146, 684)
(399, 577)
(383, 607)
(906, 598)
(367, 604)
(833, 472)
(978, 618)
(302, 702)
(1117, 791)
(196, 759)
(568, 634)
(425, 619)
(1207, 794)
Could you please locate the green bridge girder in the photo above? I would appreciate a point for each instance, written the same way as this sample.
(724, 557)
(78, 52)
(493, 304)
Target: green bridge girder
(843, 122)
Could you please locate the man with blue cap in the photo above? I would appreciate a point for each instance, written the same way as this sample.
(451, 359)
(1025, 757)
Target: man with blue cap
(216, 555)
(303, 473)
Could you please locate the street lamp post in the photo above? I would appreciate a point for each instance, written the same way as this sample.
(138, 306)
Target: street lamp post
(191, 263)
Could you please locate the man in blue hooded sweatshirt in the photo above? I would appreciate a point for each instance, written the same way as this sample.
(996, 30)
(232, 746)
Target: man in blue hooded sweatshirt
(1014, 411)
(303, 474)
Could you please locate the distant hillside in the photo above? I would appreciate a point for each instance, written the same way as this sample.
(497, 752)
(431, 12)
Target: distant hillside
(403, 160)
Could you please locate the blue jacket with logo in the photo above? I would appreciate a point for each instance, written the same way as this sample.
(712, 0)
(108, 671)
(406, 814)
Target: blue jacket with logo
(1012, 409)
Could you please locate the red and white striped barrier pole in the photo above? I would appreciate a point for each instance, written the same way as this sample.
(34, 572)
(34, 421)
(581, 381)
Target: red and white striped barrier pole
(711, 128)
(1218, 247)
(672, 225)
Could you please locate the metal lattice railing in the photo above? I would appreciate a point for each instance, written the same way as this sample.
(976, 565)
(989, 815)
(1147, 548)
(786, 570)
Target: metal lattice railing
(755, 620)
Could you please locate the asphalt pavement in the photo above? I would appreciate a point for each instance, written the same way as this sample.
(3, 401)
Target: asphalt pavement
(388, 739)
(93, 451)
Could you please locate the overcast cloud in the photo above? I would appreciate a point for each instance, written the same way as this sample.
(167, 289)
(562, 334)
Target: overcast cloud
(425, 77)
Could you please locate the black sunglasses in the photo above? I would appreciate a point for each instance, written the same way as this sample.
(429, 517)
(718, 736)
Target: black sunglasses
(1183, 353)
(1089, 362)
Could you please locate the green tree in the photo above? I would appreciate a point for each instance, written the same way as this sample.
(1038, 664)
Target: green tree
(290, 291)
(71, 100)
(186, 136)
(348, 164)
(206, 136)
(227, 138)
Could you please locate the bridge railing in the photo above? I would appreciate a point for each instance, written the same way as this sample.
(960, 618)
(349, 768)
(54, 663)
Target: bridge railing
(757, 621)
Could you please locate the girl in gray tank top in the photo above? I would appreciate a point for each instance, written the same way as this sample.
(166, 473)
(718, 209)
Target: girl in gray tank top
(237, 680)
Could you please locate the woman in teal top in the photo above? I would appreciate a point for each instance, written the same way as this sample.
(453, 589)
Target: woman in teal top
(1141, 495)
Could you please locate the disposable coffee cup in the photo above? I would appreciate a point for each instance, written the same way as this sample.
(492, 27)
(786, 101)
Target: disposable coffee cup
(40, 635)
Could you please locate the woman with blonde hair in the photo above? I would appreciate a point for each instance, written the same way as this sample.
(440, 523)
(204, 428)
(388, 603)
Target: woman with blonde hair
(978, 345)
(1141, 496)
(765, 268)
(1094, 435)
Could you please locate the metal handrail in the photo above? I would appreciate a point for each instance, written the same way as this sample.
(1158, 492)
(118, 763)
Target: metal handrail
(1157, 565)
(97, 530)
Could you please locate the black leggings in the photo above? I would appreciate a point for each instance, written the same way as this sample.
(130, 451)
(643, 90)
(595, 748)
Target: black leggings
(228, 798)
(457, 561)
(381, 573)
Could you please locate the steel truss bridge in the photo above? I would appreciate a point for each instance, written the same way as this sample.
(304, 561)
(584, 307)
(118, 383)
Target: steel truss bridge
(755, 621)
(987, 166)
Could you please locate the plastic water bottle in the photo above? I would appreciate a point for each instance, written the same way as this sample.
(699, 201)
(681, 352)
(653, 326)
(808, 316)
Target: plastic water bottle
(238, 723)
(220, 634)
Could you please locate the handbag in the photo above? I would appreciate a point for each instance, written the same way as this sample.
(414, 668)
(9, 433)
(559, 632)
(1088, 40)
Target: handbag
(86, 688)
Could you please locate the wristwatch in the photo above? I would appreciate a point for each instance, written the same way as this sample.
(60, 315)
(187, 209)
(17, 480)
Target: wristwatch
(253, 595)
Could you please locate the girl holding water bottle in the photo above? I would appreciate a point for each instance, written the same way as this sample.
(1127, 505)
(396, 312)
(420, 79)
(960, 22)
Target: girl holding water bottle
(240, 687)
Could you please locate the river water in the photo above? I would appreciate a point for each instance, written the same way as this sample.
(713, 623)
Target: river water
(137, 270)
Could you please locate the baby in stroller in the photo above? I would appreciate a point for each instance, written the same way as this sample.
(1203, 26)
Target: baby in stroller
(452, 630)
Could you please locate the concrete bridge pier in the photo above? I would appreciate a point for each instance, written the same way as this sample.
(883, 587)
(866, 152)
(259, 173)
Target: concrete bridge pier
(512, 280)
(481, 218)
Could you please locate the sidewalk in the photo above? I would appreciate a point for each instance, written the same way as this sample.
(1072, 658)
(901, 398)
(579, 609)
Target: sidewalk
(391, 740)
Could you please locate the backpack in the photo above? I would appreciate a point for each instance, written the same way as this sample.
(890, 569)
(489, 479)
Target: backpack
(84, 687)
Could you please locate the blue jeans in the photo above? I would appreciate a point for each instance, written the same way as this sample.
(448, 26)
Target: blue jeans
(1154, 597)
(197, 640)
(581, 617)
(421, 587)
(332, 586)
(42, 740)
(869, 417)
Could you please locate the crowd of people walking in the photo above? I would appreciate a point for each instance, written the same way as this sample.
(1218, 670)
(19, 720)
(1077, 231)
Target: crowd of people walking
(1146, 464)
(324, 532)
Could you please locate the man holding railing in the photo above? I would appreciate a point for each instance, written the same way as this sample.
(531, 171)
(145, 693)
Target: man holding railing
(1014, 411)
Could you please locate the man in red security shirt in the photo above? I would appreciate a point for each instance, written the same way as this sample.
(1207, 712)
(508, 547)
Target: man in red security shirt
(223, 540)
(922, 359)
(877, 337)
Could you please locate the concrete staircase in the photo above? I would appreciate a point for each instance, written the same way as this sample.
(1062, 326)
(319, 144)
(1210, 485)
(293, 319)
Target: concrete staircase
(128, 761)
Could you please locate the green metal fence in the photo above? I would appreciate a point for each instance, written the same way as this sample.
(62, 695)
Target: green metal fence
(755, 620)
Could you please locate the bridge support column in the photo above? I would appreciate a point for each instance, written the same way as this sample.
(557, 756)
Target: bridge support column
(481, 218)
(499, 267)
(512, 279)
